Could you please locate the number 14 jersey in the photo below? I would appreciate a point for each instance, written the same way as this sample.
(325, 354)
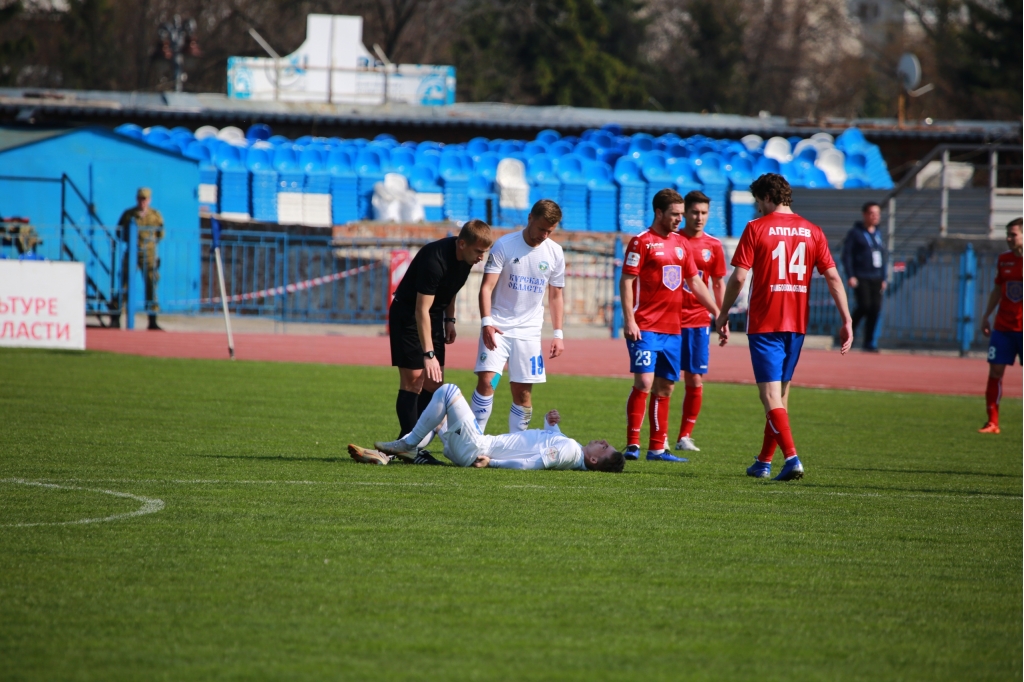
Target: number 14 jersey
(781, 249)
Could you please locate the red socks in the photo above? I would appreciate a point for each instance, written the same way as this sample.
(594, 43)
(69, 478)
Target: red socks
(659, 422)
(993, 394)
(691, 408)
(767, 445)
(635, 407)
(778, 422)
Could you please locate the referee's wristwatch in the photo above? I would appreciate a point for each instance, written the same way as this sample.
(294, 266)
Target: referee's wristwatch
(429, 355)
(449, 319)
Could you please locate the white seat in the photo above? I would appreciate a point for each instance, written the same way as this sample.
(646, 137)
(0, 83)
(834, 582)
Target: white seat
(204, 132)
(752, 142)
(231, 135)
(824, 137)
(778, 148)
(802, 145)
(513, 190)
(832, 163)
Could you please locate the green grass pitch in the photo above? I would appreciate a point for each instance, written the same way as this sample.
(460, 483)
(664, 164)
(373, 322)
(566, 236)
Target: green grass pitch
(898, 557)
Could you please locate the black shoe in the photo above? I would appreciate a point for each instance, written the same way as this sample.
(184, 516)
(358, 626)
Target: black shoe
(424, 457)
(115, 322)
(153, 326)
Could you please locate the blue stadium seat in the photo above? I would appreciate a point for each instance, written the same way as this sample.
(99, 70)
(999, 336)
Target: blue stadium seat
(609, 157)
(370, 170)
(477, 146)
(402, 159)
(548, 137)
(544, 183)
(233, 191)
(455, 180)
(602, 139)
(487, 165)
(481, 190)
(510, 147)
(654, 167)
(559, 148)
(531, 149)
(129, 130)
(573, 195)
(423, 181)
(429, 157)
(344, 185)
(640, 145)
(765, 165)
(587, 150)
(258, 132)
(815, 178)
(259, 160)
(632, 195)
(602, 198)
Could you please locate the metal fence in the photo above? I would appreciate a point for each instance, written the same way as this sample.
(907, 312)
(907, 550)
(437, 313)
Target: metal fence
(320, 279)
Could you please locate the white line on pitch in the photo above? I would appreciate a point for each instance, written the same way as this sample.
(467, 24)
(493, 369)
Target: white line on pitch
(150, 505)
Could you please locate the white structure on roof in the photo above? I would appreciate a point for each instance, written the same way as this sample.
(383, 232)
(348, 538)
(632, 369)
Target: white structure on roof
(334, 66)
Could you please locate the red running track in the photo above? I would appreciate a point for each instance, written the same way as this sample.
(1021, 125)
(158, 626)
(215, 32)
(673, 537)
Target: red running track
(586, 357)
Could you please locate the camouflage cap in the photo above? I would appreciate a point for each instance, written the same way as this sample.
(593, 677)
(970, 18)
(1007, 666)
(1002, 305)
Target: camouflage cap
(144, 193)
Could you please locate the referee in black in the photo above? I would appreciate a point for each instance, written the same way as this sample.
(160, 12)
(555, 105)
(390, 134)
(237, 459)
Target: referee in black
(422, 318)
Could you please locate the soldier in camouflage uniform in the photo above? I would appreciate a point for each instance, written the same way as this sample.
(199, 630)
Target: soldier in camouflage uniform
(151, 230)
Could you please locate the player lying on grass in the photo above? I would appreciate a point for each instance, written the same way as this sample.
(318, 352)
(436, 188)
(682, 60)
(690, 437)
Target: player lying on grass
(465, 446)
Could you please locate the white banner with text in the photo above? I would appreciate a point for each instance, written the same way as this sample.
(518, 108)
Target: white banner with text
(42, 304)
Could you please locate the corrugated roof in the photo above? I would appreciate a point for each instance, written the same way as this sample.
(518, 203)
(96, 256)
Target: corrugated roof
(219, 109)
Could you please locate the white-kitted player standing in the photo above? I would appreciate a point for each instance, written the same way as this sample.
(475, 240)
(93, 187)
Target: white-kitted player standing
(522, 265)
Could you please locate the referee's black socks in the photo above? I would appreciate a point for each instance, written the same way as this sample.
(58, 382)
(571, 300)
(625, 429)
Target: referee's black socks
(406, 408)
(423, 401)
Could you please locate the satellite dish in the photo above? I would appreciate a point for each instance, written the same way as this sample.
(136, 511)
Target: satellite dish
(909, 71)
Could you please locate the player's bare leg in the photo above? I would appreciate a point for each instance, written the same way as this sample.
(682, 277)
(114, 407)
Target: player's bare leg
(482, 400)
(691, 409)
(993, 395)
(521, 412)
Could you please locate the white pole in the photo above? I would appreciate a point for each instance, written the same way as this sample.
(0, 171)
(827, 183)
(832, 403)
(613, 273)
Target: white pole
(993, 182)
(224, 302)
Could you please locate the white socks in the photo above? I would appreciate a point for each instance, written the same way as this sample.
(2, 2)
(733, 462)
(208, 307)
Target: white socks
(481, 407)
(519, 418)
(431, 417)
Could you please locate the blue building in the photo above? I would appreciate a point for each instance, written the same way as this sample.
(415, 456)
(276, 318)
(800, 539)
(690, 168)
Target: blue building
(73, 184)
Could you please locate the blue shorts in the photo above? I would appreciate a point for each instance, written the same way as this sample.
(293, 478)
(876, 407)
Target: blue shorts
(694, 344)
(654, 352)
(775, 355)
(1004, 347)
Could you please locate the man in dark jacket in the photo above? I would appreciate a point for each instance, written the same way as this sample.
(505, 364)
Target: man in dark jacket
(864, 260)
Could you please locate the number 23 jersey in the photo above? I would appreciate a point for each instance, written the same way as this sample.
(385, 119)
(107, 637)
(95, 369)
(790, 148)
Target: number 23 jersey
(661, 265)
(781, 249)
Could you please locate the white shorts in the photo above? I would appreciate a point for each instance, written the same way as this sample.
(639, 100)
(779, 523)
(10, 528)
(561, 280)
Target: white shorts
(524, 356)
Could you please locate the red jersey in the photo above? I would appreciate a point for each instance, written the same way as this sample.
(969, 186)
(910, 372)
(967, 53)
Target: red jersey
(782, 249)
(710, 261)
(660, 265)
(1008, 279)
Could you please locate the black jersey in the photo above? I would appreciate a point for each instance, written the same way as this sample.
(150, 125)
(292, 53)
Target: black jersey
(435, 271)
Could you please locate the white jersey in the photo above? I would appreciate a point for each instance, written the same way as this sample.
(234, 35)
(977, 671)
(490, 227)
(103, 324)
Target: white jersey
(517, 305)
(535, 449)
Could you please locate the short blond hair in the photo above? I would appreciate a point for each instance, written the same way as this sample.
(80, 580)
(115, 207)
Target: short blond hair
(548, 211)
(476, 232)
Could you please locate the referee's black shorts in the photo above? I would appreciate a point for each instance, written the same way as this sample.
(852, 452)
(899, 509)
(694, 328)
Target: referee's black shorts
(405, 340)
